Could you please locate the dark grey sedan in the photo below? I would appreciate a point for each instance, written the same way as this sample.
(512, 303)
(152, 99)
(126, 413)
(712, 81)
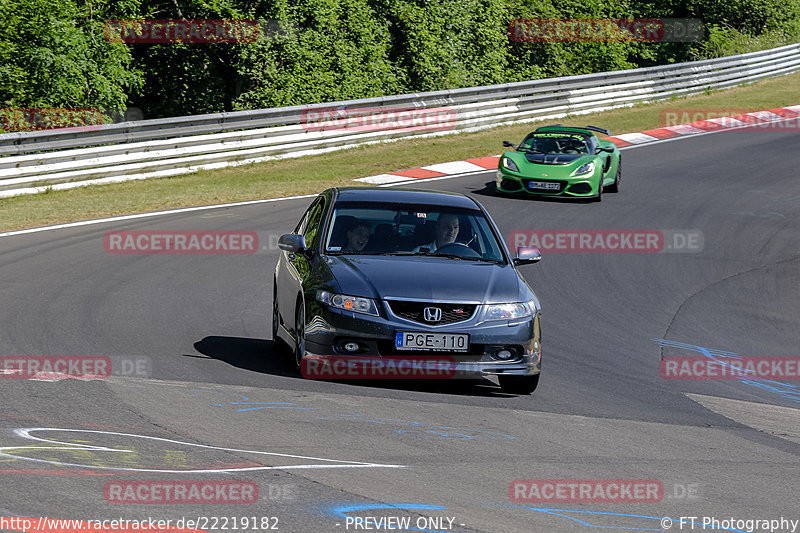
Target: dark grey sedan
(398, 275)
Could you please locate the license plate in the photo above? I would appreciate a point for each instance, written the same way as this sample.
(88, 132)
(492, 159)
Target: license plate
(452, 342)
(545, 186)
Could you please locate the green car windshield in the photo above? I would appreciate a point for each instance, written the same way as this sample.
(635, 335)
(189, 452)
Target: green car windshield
(555, 143)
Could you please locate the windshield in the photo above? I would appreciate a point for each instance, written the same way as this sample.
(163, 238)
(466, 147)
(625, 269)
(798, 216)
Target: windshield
(555, 143)
(390, 229)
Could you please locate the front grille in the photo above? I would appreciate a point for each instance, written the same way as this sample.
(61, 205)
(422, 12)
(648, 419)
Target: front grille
(510, 185)
(451, 313)
(581, 188)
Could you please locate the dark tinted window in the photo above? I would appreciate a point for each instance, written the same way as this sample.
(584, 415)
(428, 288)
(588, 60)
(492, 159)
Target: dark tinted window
(310, 226)
(411, 229)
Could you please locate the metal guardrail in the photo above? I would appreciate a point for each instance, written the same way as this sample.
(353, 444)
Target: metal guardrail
(33, 161)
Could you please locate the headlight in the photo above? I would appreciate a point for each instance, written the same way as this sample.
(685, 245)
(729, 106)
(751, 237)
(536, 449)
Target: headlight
(588, 168)
(510, 311)
(348, 303)
(510, 165)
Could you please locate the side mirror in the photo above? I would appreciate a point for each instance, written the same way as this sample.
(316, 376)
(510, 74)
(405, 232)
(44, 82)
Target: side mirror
(509, 144)
(608, 149)
(292, 243)
(527, 256)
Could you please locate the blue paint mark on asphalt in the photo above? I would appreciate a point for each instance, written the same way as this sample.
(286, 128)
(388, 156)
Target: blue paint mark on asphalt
(417, 429)
(263, 405)
(786, 390)
(269, 406)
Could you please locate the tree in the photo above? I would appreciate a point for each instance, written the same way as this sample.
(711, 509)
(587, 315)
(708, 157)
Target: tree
(53, 53)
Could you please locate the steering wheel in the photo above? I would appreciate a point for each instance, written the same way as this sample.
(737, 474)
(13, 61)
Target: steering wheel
(458, 248)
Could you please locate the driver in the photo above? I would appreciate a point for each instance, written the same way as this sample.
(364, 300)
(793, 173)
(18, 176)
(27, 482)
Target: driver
(573, 146)
(357, 236)
(445, 230)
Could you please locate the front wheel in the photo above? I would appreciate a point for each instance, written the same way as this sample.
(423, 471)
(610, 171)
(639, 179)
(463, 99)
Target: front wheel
(519, 384)
(277, 342)
(599, 197)
(299, 335)
(614, 187)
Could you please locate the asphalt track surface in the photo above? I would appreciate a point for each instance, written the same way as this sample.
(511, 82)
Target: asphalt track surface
(722, 449)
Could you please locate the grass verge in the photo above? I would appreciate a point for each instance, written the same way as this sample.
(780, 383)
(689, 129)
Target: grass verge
(312, 174)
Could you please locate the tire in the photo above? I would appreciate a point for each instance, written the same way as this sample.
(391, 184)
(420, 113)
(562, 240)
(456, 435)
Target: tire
(519, 384)
(299, 335)
(278, 344)
(599, 197)
(614, 187)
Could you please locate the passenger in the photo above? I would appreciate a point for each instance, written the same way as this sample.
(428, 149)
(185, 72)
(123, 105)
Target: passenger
(357, 236)
(445, 230)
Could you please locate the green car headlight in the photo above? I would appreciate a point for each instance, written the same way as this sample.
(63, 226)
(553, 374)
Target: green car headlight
(510, 165)
(510, 311)
(587, 168)
(356, 304)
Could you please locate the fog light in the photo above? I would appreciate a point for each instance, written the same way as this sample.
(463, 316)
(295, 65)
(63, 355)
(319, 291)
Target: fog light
(504, 354)
(351, 346)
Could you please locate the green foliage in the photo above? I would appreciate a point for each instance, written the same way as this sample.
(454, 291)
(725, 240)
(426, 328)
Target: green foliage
(52, 53)
(183, 78)
(725, 41)
(443, 45)
(318, 51)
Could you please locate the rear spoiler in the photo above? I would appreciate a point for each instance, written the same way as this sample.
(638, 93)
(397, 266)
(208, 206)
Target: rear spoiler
(599, 130)
(593, 128)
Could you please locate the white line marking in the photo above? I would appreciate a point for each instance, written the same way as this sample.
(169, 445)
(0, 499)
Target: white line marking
(414, 181)
(765, 115)
(26, 434)
(727, 122)
(685, 129)
(380, 179)
(454, 167)
(636, 138)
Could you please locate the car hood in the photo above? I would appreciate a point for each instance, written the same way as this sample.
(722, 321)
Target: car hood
(427, 278)
(561, 164)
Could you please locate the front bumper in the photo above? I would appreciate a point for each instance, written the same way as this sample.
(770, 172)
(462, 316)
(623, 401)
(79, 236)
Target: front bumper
(329, 329)
(576, 187)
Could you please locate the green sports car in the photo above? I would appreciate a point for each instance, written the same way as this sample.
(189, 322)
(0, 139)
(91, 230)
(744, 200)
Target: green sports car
(561, 161)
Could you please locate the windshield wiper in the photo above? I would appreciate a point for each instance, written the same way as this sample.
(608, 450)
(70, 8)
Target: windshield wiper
(454, 256)
(407, 253)
(449, 256)
(353, 253)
